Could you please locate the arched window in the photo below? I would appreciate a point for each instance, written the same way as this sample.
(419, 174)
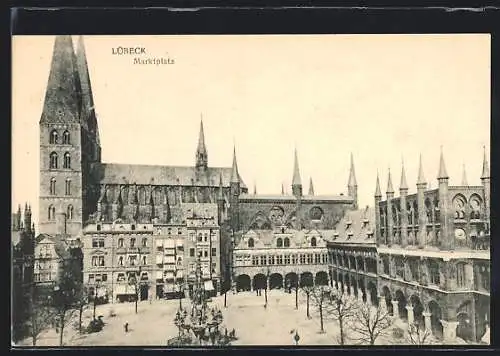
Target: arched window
(52, 212)
(313, 242)
(144, 242)
(70, 212)
(66, 138)
(287, 242)
(459, 203)
(53, 160)
(279, 242)
(250, 242)
(435, 277)
(120, 260)
(53, 137)
(120, 242)
(461, 280)
(52, 186)
(67, 160)
(68, 187)
(132, 242)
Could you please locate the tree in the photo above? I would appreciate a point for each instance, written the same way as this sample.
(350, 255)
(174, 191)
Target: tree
(320, 295)
(81, 300)
(41, 315)
(308, 290)
(370, 322)
(342, 308)
(418, 335)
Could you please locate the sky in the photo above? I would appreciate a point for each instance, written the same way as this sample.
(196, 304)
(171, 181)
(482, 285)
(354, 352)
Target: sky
(383, 98)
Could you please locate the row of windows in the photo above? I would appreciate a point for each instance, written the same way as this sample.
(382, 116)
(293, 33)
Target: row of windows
(98, 278)
(202, 252)
(133, 260)
(54, 138)
(42, 277)
(281, 242)
(144, 242)
(54, 160)
(52, 212)
(263, 260)
(53, 190)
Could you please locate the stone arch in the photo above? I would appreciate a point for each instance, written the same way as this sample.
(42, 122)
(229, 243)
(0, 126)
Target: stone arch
(373, 293)
(418, 309)
(259, 281)
(291, 280)
(402, 303)
(464, 318)
(386, 293)
(306, 279)
(275, 281)
(459, 203)
(316, 213)
(321, 278)
(436, 317)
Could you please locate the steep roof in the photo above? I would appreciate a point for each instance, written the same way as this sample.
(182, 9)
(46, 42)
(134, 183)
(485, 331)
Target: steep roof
(292, 198)
(61, 247)
(355, 227)
(117, 173)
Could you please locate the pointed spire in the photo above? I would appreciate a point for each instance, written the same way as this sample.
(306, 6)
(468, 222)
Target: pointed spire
(88, 112)
(352, 174)
(403, 185)
(19, 209)
(442, 168)
(220, 196)
(311, 186)
(486, 168)
(296, 172)
(166, 209)
(254, 188)
(201, 151)
(421, 178)
(62, 98)
(464, 176)
(235, 177)
(378, 192)
(390, 189)
(282, 189)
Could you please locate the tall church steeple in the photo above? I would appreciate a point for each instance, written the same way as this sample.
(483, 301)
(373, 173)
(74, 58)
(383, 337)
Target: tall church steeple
(201, 151)
(352, 185)
(63, 94)
(296, 181)
(464, 176)
(311, 186)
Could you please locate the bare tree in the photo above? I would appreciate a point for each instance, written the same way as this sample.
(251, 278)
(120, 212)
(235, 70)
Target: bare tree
(81, 301)
(308, 290)
(320, 296)
(370, 322)
(341, 308)
(418, 335)
(41, 316)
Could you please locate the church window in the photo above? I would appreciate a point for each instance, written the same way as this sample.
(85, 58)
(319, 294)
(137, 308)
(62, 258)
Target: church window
(68, 187)
(434, 272)
(279, 242)
(67, 160)
(459, 205)
(286, 242)
(53, 160)
(66, 138)
(461, 274)
(70, 212)
(53, 137)
(52, 186)
(313, 242)
(250, 242)
(475, 207)
(52, 212)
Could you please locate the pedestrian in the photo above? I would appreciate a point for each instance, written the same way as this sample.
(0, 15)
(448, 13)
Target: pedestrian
(126, 327)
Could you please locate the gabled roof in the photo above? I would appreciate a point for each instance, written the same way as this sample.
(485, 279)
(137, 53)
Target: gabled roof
(355, 227)
(61, 247)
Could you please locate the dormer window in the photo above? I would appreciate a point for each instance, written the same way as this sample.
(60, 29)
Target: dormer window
(370, 234)
(313, 242)
(348, 224)
(365, 223)
(279, 242)
(250, 242)
(349, 235)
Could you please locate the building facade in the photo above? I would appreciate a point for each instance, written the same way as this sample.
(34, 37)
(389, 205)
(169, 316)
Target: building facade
(77, 188)
(352, 253)
(280, 258)
(433, 254)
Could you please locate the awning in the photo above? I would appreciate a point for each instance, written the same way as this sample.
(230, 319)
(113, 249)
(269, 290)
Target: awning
(209, 286)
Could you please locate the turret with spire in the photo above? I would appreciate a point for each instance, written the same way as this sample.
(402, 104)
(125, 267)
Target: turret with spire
(485, 180)
(378, 198)
(390, 220)
(421, 186)
(296, 180)
(311, 186)
(235, 193)
(447, 238)
(167, 215)
(464, 176)
(352, 185)
(403, 193)
(201, 150)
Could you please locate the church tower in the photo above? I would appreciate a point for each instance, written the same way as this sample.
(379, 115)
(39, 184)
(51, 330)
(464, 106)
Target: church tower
(68, 142)
(201, 151)
(352, 185)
